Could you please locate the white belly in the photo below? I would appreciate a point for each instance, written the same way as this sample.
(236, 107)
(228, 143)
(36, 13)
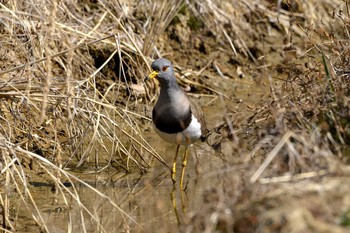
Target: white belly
(187, 137)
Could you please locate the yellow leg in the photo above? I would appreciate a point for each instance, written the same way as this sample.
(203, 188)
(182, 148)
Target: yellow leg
(183, 201)
(184, 163)
(173, 201)
(173, 170)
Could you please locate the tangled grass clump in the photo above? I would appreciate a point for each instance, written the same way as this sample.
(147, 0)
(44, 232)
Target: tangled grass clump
(73, 100)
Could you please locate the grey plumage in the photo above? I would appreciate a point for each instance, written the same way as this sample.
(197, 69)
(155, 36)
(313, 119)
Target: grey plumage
(175, 118)
(173, 110)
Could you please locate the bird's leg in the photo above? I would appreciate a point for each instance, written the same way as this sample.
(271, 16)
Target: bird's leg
(184, 202)
(173, 201)
(173, 170)
(196, 166)
(184, 163)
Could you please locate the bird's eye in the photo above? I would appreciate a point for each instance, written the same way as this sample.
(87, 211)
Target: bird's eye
(164, 68)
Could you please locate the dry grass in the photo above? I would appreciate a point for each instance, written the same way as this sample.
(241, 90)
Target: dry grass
(73, 97)
(60, 100)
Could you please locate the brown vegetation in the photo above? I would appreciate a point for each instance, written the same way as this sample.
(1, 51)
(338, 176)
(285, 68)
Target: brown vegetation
(73, 101)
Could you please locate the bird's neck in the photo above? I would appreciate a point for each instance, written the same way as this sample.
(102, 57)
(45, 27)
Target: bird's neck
(169, 90)
(174, 94)
(165, 85)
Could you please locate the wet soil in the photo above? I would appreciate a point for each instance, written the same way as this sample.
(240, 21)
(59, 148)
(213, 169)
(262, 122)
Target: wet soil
(235, 90)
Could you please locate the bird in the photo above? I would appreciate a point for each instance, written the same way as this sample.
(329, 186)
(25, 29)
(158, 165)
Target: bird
(175, 117)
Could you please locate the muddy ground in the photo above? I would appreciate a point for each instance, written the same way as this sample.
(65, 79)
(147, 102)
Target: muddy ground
(77, 147)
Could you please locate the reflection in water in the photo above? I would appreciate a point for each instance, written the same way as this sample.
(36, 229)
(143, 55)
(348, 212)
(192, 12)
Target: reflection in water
(174, 203)
(115, 202)
(179, 211)
(150, 202)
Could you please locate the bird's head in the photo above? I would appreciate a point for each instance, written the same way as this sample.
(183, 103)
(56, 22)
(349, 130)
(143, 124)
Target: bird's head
(162, 70)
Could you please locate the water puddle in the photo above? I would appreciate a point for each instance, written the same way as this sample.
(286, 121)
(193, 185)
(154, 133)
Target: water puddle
(118, 202)
(147, 200)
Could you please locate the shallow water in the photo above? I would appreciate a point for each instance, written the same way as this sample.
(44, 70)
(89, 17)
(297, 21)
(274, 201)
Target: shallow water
(146, 200)
(142, 203)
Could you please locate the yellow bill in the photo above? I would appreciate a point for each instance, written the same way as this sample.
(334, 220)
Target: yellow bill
(153, 74)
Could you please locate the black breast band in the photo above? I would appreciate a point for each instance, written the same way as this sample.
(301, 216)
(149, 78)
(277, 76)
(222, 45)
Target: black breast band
(168, 123)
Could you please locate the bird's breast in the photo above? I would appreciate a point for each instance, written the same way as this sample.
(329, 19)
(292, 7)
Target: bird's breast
(169, 119)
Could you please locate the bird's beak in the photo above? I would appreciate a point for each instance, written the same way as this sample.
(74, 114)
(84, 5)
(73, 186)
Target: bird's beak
(151, 75)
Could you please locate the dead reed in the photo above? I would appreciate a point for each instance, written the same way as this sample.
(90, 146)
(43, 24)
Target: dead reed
(73, 97)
